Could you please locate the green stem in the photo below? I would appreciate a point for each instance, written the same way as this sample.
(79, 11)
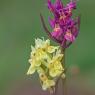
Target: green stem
(64, 65)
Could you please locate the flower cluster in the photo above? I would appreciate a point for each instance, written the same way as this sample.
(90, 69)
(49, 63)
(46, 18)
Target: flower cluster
(64, 28)
(46, 61)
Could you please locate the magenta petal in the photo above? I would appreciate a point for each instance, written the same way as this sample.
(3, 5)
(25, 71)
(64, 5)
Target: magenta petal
(56, 34)
(70, 38)
(50, 5)
(72, 5)
(58, 4)
(51, 22)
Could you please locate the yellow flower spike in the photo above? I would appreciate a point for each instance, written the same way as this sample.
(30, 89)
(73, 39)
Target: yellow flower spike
(46, 60)
(39, 52)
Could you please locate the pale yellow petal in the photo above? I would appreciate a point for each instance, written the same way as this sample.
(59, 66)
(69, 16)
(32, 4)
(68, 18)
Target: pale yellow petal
(51, 49)
(31, 70)
(48, 84)
(55, 69)
(38, 43)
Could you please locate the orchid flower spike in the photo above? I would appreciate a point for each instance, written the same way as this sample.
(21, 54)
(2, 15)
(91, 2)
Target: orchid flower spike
(65, 29)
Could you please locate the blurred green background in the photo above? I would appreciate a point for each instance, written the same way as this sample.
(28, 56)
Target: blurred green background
(20, 25)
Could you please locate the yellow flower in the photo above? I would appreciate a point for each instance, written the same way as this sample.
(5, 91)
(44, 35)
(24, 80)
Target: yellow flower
(45, 45)
(55, 66)
(48, 48)
(35, 61)
(46, 83)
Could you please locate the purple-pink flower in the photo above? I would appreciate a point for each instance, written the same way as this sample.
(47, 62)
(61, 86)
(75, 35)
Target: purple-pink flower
(65, 29)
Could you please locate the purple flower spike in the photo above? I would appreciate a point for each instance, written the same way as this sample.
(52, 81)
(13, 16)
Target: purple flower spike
(65, 29)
